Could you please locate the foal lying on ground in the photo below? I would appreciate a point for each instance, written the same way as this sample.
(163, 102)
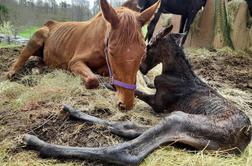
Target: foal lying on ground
(197, 115)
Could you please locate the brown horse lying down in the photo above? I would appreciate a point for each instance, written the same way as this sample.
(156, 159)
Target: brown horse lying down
(197, 115)
(82, 47)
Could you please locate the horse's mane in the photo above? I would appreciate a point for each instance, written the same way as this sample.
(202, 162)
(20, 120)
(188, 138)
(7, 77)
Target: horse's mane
(128, 30)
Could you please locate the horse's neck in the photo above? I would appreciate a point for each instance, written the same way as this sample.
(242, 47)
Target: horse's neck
(97, 25)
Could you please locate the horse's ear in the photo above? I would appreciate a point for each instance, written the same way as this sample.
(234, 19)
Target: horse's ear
(177, 37)
(146, 15)
(109, 13)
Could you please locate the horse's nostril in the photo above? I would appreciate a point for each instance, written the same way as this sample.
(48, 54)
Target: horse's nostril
(121, 106)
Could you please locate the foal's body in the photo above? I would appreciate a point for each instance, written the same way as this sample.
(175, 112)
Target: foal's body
(196, 116)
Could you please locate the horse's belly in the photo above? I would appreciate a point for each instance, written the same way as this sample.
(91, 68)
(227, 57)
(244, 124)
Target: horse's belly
(54, 60)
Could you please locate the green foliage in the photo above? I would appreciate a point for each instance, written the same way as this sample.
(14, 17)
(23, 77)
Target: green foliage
(28, 31)
(6, 45)
(7, 28)
(3, 13)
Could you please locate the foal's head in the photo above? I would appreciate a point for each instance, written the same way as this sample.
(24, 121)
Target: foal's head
(161, 48)
(125, 48)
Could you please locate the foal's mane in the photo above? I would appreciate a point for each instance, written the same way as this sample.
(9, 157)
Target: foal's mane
(128, 29)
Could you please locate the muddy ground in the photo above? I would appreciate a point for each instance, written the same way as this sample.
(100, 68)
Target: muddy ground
(227, 71)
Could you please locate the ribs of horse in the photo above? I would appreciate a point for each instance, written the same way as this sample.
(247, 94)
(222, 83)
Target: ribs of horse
(197, 115)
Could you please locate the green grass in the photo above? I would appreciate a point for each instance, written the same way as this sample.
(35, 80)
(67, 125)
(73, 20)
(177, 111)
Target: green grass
(144, 30)
(6, 45)
(28, 32)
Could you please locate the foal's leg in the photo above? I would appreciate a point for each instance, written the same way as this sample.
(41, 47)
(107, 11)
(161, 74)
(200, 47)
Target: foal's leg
(178, 127)
(80, 68)
(153, 100)
(152, 25)
(125, 129)
(35, 43)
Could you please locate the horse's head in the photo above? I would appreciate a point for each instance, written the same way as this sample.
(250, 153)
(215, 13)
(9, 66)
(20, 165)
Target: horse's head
(162, 44)
(125, 48)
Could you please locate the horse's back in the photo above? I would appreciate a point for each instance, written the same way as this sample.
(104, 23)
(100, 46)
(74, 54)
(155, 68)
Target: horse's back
(61, 42)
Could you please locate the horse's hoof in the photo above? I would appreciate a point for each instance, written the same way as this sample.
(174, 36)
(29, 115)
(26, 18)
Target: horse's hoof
(92, 83)
(9, 74)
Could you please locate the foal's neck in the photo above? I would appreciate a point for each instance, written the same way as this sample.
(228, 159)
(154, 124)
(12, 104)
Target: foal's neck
(176, 65)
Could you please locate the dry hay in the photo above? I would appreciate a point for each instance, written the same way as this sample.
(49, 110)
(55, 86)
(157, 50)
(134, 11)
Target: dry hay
(32, 103)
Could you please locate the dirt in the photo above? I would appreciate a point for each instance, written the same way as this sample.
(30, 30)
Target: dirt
(222, 69)
(48, 122)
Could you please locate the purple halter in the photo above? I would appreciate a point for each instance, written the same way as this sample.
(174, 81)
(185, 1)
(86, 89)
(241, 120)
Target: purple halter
(112, 80)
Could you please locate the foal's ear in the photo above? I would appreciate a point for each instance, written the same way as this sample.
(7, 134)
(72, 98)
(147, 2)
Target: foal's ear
(146, 15)
(109, 13)
(177, 37)
(166, 31)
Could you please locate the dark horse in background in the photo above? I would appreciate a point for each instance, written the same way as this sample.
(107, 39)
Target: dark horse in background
(186, 8)
(249, 2)
(197, 115)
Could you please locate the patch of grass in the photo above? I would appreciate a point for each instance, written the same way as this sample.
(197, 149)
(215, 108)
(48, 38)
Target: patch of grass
(28, 32)
(144, 30)
(174, 157)
(50, 87)
(60, 87)
(6, 45)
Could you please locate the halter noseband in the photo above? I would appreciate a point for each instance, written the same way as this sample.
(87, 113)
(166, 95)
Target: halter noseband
(112, 80)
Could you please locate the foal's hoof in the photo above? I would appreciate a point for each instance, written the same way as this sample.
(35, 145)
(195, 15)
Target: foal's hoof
(92, 83)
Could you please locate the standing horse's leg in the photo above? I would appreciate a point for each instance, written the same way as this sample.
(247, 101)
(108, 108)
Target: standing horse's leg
(35, 43)
(194, 130)
(188, 23)
(152, 25)
(80, 68)
(125, 129)
(182, 24)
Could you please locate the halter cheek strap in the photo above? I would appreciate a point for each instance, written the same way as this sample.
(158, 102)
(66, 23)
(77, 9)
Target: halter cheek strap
(112, 80)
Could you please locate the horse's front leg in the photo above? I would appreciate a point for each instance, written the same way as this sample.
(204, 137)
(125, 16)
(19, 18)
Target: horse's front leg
(152, 25)
(124, 129)
(80, 68)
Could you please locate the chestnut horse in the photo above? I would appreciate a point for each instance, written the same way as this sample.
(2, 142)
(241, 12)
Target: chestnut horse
(83, 48)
